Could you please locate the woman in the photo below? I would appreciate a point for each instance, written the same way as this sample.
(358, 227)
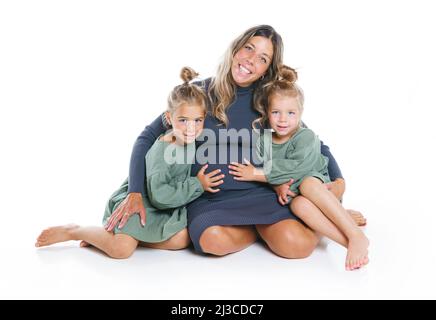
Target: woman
(227, 221)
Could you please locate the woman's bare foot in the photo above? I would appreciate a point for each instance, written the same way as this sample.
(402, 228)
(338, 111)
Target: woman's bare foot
(358, 217)
(55, 234)
(357, 255)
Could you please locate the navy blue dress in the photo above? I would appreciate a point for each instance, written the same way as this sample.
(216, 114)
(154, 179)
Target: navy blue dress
(238, 202)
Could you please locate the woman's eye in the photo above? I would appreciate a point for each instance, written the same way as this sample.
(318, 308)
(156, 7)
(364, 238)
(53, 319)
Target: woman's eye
(248, 48)
(263, 60)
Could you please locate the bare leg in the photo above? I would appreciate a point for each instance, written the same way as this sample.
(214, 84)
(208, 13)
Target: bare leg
(178, 241)
(222, 240)
(119, 246)
(357, 255)
(316, 220)
(289, 238)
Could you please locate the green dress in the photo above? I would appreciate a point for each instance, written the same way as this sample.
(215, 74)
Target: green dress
(297, 158)
(169, 188)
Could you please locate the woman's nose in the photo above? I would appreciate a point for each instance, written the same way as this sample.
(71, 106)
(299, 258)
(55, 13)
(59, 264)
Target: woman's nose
(250, 58)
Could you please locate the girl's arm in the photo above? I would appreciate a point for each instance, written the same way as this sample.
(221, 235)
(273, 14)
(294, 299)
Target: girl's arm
(142, 145)
(300, 160)
(164, 193)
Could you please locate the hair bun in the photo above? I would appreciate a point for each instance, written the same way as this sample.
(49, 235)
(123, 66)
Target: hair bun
(288, 74)
(187, 74)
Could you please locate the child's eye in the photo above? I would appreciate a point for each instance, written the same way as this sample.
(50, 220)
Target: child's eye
(275, 112)
(291, 112)
(263, 60)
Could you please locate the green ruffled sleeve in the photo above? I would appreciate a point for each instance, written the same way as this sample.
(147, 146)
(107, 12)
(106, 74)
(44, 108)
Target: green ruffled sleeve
(303, 155)
(164, 190)
(165, 193)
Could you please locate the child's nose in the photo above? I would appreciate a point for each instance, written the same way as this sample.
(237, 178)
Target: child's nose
(191, 126)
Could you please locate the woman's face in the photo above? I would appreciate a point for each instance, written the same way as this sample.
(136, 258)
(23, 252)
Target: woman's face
(252, 61)
(187, 122)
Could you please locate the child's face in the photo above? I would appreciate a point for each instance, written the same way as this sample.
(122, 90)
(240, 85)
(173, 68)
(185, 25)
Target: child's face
(284, 115)
(187, 122)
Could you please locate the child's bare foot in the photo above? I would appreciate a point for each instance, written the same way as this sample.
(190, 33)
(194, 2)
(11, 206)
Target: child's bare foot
(358, 217)
(84, 244)
(357, 255)
(55, 234)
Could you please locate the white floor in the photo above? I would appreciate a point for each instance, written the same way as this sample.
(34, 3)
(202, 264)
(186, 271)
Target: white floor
(402, 266)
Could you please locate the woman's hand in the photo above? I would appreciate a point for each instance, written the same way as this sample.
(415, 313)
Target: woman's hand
(337, 187)
(211, 179)
(283, 192)
(131, 205)
(246, 172)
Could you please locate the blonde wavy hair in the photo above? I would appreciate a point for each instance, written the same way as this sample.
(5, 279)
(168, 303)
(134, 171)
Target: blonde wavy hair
(222, 89)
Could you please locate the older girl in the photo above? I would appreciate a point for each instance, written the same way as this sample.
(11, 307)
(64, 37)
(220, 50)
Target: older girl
(169, 183)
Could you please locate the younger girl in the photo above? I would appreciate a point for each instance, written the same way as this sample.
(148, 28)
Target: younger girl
(169, 183)
(294, 153)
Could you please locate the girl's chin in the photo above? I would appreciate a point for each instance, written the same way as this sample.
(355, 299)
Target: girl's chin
(185, 140)
(282, 133)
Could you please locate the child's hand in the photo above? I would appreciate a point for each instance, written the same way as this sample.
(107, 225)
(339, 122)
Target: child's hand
(211, 179)
(283, 192)
(245, 172)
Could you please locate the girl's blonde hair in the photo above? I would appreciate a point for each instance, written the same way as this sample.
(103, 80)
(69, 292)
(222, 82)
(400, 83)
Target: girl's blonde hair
(285, 85)
(187, 93)
(223, 88)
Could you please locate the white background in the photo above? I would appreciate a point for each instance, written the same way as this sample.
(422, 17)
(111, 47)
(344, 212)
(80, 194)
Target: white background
(79, 80)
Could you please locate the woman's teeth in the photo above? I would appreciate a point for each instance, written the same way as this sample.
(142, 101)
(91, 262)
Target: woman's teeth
(244, 70)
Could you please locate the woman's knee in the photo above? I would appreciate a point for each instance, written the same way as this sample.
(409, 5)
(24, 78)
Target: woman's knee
(215, 240)
(179, 241)
(296, 246)
(289, 239)
(122, 248)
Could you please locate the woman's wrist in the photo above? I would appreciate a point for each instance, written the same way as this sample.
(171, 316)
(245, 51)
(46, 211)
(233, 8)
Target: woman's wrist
(134, 195)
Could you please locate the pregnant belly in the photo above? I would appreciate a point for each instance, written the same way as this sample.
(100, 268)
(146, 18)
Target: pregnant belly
(220, 158)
